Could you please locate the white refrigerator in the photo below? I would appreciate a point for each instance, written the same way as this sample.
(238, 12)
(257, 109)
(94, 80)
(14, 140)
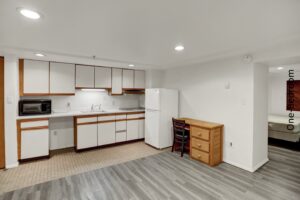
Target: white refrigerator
(161, 105)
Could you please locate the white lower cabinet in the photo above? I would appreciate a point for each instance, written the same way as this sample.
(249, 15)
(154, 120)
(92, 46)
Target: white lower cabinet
(121, 136)
(106, 133)
(132, 129)
(121, 130)
(86, 136)
(141, 128)
(34, 143)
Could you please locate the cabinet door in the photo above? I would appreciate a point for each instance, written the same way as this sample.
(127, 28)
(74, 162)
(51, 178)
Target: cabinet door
(132, 129)
(141, 128)
(35, 77)
(85, 76)
(106, 133)
(34, 143)
(62, 78)
(121, 126)
(120, 136)
(102, 77)
(116, 81)
(86, 136)
(128, 78)
(139, 79)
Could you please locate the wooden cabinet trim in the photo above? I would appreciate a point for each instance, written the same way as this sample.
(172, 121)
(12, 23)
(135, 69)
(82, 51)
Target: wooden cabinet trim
(2, 117)
(140, 118)
(106, 121)
(120, 120)
(86, 123)
(33, 119)
(21, 77)
(35, 128)
(133, 113)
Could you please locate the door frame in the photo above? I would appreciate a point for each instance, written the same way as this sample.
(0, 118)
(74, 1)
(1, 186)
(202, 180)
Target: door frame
(2, 117)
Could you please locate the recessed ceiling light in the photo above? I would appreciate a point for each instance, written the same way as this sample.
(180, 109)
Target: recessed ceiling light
(131, 65)
(179, 48)
(40, 55)
(280, 68)
(29, 13)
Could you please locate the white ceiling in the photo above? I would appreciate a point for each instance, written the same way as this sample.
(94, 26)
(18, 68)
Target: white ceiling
(144, 32)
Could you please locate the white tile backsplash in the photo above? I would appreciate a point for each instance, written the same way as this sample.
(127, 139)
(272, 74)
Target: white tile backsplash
(83, 100)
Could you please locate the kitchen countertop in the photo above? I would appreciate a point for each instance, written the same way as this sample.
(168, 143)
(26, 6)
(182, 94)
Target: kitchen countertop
(79, 113)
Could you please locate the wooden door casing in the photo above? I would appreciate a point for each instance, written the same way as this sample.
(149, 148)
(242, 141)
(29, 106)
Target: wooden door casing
(2, 143)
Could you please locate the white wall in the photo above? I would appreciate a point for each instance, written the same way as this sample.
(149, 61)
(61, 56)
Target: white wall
(11, 102)
(203, 96)
(277, 90)
(154, 78)
(260, 116)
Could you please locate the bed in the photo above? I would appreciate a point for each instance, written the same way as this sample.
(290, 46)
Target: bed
(278, 128)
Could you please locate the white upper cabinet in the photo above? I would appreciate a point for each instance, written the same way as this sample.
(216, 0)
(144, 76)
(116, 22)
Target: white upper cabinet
(139, 79)
(35, 77)
(62, 78)
(116, 81)
(85, 76)
(128, 78)
(102, 77)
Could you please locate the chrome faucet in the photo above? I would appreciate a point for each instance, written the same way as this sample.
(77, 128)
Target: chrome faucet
(92, 107)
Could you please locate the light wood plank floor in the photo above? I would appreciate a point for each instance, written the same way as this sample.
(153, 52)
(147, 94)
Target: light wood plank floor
(167, 176)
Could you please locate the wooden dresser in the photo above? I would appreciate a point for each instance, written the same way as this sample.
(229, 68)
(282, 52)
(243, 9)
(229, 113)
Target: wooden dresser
(206, 141)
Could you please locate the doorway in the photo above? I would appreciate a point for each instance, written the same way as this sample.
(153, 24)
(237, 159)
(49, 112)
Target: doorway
(2, 147)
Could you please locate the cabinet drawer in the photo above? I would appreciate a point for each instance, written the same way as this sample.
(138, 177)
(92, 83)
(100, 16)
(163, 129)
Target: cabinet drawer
(200, 155)
(106, 118)
(86, 119)
(34, 124)
(120, 117)
(134, 116)
(200, 144)
(121, 126)
(200, 133)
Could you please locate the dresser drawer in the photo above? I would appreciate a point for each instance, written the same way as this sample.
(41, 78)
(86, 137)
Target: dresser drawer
(200, 144)
(200, 133)
(200, 155)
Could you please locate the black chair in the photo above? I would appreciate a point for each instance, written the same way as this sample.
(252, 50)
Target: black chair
(181, 135)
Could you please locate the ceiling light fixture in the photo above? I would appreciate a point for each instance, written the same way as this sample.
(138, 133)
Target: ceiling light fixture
(40, 55)
(29, 13)
(179, 48)
(131, 65)
(280, 68)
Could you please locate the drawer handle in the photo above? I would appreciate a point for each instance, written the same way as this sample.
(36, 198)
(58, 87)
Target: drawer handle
(199, 134)
(199, 145)
(199, 156)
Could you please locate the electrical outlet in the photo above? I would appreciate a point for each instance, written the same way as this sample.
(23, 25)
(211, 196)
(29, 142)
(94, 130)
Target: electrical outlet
(230, 144)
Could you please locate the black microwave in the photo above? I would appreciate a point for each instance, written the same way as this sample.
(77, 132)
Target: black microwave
(34, 107)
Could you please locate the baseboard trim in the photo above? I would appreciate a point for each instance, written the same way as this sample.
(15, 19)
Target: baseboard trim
(12, 165)
(238, 165)
(260, 164)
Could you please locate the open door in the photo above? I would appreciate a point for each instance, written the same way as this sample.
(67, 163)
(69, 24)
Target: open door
(2, 148)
